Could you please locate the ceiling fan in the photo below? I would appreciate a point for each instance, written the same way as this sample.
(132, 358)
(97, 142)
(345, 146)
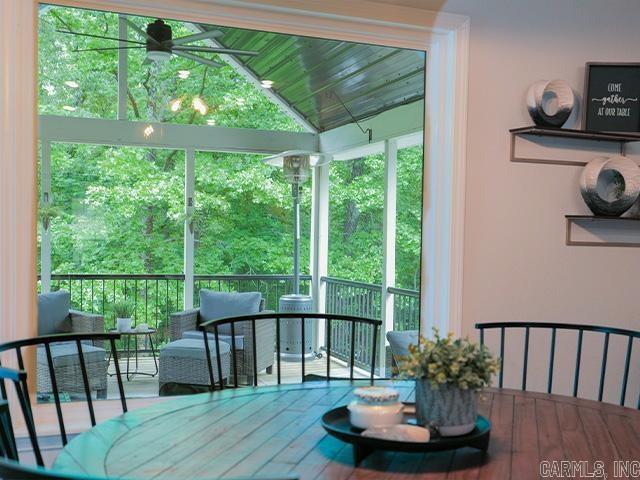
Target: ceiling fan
(160, 44)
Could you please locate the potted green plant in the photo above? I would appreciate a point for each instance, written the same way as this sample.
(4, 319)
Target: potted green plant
(123, 311)
(47, 212)
(449, 374)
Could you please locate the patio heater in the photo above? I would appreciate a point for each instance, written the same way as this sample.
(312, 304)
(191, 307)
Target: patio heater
(297, 166)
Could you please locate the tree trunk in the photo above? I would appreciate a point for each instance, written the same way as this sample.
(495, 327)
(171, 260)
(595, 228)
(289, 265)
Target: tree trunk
(352, 212)
(147, 255)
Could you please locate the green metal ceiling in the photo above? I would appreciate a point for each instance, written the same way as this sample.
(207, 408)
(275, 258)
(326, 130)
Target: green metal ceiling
(313, 76)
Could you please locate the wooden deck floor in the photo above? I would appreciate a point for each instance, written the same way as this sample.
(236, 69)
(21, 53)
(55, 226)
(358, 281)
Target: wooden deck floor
(143, 386)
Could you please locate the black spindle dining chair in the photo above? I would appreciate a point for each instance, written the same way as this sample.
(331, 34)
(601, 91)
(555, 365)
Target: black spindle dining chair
(20, 379)
(606, 332)
(212, 326)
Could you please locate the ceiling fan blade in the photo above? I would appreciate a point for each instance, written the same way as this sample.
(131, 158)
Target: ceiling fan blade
(99, 36)
(106, 48)
(197, 36)
(227, 51)
(197, 58)
(141, 31)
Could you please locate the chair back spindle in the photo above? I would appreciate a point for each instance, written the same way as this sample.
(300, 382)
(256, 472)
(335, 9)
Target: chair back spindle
(603, 367)
(552, 359)
(576, 377)
(606, 332)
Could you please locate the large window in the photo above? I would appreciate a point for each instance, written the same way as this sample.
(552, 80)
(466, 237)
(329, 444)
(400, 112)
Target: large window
(145, 196)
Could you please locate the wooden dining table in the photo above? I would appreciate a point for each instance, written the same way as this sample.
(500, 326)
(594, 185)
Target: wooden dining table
(277, 430)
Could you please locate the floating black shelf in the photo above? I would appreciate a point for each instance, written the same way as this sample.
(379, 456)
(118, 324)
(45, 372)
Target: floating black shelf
(599, 217)
(571, 219)
(579, 134)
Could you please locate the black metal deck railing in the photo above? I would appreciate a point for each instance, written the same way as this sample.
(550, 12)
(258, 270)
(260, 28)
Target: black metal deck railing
(360, 299)
(156, 296)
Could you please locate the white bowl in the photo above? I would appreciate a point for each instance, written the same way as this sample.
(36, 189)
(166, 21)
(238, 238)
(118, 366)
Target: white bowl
(366, 416)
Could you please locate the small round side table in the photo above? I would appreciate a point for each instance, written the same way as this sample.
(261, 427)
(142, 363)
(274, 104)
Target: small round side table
(135, 334)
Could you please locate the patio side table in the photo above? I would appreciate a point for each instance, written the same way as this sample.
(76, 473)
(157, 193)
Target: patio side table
(135, 334)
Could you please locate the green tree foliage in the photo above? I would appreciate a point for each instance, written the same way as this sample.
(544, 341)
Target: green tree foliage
(355, 217)
(122, 208)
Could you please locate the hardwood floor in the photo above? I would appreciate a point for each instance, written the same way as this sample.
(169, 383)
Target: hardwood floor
(50, 447)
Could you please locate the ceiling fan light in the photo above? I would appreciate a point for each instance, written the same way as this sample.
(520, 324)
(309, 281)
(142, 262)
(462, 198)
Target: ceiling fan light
(175, 104)
(198, 104)
(158, 55)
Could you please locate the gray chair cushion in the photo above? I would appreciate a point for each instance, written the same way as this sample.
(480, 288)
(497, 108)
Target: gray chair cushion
(65, 354)
(400, 341)
(53, 313)
(197, 335)
(191, 348)
(214, 305)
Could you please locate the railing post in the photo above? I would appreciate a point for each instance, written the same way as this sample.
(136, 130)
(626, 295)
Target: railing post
(45, 201)
(189, 190)
(319, 245)
(389, 245)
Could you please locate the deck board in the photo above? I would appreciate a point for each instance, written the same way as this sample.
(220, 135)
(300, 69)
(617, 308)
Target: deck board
(144, 386)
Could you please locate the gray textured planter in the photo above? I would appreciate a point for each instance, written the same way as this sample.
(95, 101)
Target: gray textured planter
(452, 410)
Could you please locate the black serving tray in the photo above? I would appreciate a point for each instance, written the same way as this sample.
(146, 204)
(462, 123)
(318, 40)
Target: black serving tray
(336, 423)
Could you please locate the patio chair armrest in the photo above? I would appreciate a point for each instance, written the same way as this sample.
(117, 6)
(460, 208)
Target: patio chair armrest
(180, 322)
(83, 322)
(265, 341)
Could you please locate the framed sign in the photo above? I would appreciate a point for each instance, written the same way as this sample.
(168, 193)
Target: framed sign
(612, 97)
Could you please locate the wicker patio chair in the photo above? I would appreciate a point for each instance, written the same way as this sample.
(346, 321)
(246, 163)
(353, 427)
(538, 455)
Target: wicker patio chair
(55, 316)
(221, 304)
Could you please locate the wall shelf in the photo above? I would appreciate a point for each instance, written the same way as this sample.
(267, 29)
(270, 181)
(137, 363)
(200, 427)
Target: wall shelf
(599, 231)
(577, 134)
(563, 146)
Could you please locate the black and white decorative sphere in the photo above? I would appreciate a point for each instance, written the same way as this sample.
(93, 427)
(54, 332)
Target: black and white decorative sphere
(610, 186)
(550, 103)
